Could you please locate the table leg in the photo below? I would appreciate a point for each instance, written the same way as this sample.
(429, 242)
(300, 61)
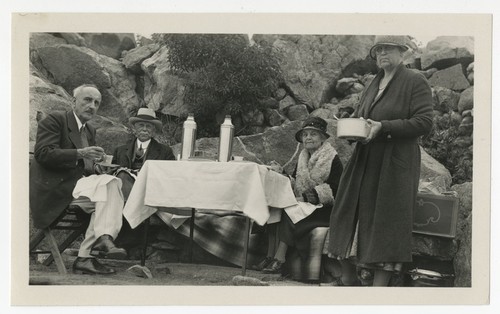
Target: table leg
(145, 242)
(191, 234)
(245, 250)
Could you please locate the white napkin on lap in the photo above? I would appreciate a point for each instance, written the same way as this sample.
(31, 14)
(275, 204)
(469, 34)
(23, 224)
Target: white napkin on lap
(301, 211)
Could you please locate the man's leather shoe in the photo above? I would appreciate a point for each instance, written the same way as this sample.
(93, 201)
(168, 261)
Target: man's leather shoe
(106, 248)
(89, 265)
(276, 267)
(263, 264)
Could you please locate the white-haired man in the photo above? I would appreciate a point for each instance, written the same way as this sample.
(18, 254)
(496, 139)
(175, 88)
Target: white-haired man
(63, 173)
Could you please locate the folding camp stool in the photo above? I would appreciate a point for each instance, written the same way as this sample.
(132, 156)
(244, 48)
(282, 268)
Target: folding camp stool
(72, 219)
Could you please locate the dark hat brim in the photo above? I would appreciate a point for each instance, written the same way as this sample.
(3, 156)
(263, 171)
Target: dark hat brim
(298, 135)
(143, 118)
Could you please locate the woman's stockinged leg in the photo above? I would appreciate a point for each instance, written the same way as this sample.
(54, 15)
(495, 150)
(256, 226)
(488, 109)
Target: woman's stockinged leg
(281, 252)
(271, 240)
(381, 278)
(349, 276)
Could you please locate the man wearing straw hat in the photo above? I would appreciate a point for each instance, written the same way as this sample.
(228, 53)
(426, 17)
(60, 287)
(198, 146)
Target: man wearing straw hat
(142, 147)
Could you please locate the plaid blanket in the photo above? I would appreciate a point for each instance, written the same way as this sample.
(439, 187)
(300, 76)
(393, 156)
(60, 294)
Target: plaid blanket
(223, 235)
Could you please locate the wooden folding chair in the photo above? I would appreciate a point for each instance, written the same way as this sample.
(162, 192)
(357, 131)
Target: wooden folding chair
(72, 219)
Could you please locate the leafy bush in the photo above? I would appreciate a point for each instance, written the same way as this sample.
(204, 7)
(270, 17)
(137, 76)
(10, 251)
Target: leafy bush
(224, 74)
(452, 150)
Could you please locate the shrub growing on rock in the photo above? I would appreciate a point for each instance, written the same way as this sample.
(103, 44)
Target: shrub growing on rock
(224, 73)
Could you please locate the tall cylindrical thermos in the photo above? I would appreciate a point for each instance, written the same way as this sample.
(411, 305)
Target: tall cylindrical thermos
(226, 139)
(188, 137)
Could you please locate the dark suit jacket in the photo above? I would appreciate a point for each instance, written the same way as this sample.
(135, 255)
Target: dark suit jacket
(55, 169)
(124, 154)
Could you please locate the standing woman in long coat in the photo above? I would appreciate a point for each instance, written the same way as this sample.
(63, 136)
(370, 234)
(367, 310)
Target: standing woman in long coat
(371, 222)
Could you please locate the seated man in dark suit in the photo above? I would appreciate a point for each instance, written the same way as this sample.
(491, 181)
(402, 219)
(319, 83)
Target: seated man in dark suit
(142, 147)
(132, 156)
(63, 172)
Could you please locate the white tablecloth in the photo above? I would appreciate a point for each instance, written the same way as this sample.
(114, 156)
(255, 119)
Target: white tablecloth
(237, 186)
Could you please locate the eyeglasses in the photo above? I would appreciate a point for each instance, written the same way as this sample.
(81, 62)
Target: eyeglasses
(386, 48)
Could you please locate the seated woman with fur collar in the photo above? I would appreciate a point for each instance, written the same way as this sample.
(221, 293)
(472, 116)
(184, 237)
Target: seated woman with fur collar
(317, 176)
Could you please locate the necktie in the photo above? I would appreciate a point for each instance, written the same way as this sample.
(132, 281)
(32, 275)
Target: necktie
(140, 152)
(89, 165)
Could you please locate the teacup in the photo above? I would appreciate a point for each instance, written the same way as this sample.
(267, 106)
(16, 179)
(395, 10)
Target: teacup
(108, 159)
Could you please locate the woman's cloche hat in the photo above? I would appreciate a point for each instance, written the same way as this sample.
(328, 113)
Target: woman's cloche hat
(312, 123)
(389, 40)
(146, 115)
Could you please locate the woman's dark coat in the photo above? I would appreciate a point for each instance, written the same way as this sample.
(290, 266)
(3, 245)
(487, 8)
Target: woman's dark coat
(380, 181)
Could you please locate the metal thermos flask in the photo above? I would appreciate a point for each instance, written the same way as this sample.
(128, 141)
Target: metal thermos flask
(188, 137)
(226, 139)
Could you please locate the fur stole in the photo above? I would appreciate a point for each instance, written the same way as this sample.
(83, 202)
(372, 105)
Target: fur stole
(313, 171)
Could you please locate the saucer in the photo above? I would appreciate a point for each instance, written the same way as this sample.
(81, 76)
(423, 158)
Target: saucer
(104, 164)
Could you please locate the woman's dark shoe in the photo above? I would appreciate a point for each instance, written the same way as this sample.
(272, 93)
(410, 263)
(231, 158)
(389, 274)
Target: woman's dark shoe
(89, 265)
(263, 264)
(276, 267)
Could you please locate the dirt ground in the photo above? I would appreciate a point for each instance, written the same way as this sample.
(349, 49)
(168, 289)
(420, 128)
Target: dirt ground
(167, 274)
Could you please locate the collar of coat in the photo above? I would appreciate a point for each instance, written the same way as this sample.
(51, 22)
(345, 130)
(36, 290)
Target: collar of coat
(313, 170)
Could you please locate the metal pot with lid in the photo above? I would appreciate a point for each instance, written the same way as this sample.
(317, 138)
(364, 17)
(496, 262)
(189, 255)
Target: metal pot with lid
(353, 129)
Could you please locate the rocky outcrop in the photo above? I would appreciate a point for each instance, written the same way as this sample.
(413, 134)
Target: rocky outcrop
(70, 66)
(133, 58)
(163, 91)
(313, 63)
(38, 40)
(446, 51)
(452, 78)
(44, 98)
(110, 44)
(434, 177)
(466, 101)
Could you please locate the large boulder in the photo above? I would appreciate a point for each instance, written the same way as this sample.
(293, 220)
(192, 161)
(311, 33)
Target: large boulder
(434, 177)
(311, 64)
(44, 98)
(110, 44)
(70, 66)
(163, 91)
(297, 112)
(470, 73)
(286, 102)
(133, 58)
(73, 39)
(466, 101)
(452, 78)
(273, 117)
(446, 51)
(323, 113)
(38, 40)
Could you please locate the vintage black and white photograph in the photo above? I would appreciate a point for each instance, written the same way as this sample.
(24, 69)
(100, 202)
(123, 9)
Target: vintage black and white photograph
(240, 158)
